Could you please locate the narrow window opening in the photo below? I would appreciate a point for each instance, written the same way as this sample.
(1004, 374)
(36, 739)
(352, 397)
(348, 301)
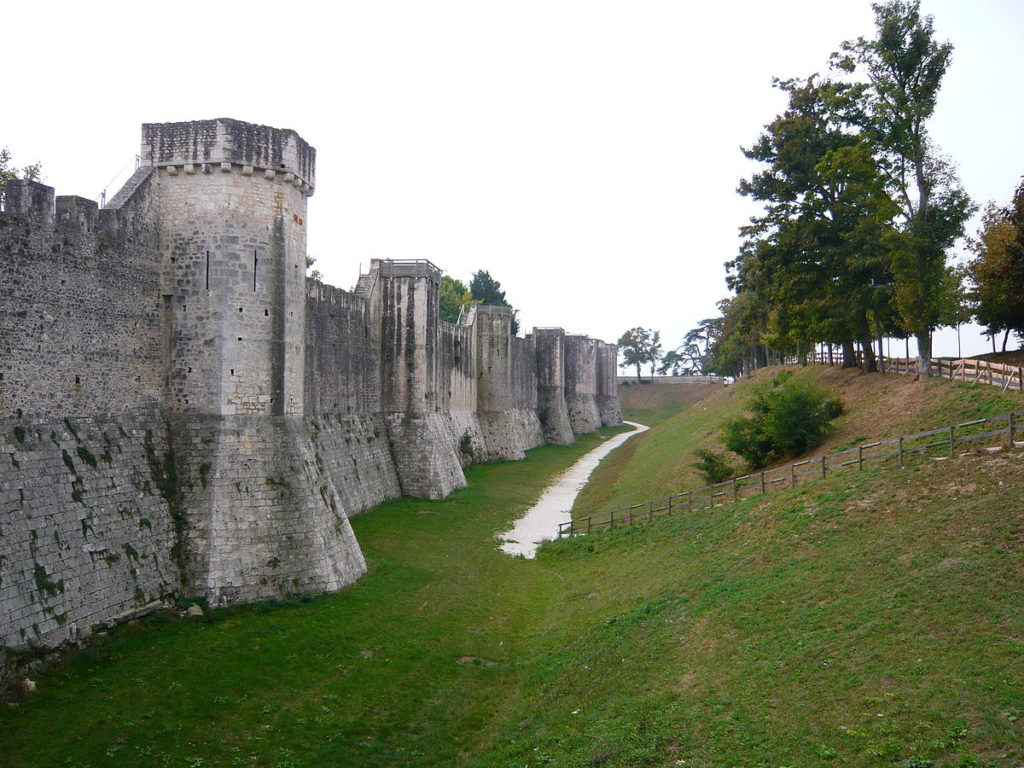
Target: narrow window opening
(266, 313)
(239, 338)
(78, 380)
(255, 261)
(207, 270)
(232, 371)
(239, 309)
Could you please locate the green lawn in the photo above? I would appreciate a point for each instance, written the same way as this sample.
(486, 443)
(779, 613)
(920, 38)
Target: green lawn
(872, 619)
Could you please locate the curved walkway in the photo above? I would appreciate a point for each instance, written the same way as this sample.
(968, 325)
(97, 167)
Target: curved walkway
(555, 504)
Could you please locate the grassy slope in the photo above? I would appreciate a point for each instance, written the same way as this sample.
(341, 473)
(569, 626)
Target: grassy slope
(877, 405)
(653, 403)
(872, 618)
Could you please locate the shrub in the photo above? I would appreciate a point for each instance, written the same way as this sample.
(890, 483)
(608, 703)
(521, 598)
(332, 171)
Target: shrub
(712, 466)
(789, 417)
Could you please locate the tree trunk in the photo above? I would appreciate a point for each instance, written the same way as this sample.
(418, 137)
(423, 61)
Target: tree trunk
(924, 355)
(638, 380)
(849, 354)
(1005, 337)
(864, 331)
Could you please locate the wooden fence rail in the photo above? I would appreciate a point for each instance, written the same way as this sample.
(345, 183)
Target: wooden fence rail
(943, 440)
(964, 369)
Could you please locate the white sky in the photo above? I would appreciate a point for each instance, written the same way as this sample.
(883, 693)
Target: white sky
(585, 153)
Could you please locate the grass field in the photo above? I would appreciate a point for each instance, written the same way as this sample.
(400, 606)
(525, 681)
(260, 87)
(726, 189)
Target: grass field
(872, 619)
(877, 405)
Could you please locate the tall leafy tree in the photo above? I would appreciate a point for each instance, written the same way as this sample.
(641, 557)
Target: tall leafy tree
(654, 350)
(904, 66)
(997, 271)
(453, 296)
(487, 290)
(817, 254)
(635, 345)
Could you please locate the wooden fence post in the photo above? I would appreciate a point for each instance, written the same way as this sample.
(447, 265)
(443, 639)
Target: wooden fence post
(589, 518)
(952, 442)
(670, 499)
(822, 467)
(650, 511)
(901, 450)
(1011, 429)
(860, 457)
(689, 501)
(611, 520)
(762, 481)
(735, 490)
(792, 476)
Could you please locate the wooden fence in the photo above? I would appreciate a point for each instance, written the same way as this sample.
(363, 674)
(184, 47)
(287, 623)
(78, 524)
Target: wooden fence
(967, 370)
(940, 442)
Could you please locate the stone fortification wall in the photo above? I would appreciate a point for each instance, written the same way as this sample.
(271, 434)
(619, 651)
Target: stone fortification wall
(581, 384)
(422, 435)
(458, 364)
(263, 516)
(551, 407)
(81, 329)
(182, 411)
(342, 366)
(509, 425)
(86, 530)
(608, 385)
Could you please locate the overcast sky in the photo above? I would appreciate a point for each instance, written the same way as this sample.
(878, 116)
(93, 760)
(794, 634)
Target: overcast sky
(585, 153)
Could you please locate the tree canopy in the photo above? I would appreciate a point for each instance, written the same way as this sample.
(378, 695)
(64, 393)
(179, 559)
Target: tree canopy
(859, 208)
(904, 66)
(640, 346)
(997, 271)
(453, 296)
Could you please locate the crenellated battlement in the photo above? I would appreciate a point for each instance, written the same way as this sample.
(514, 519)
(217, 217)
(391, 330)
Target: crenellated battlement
(230, 146)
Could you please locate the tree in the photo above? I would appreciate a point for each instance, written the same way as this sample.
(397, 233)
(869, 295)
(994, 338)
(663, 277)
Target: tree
(997, 270)
(635, 345)
(904, 66)
(788, 417)
(816, 254)
(315, 274)
(487, 290)
(684, 360)
(654, 350)
(453, 296)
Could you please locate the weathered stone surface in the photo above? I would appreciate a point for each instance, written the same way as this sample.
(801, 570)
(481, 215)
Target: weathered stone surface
(182, 411)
